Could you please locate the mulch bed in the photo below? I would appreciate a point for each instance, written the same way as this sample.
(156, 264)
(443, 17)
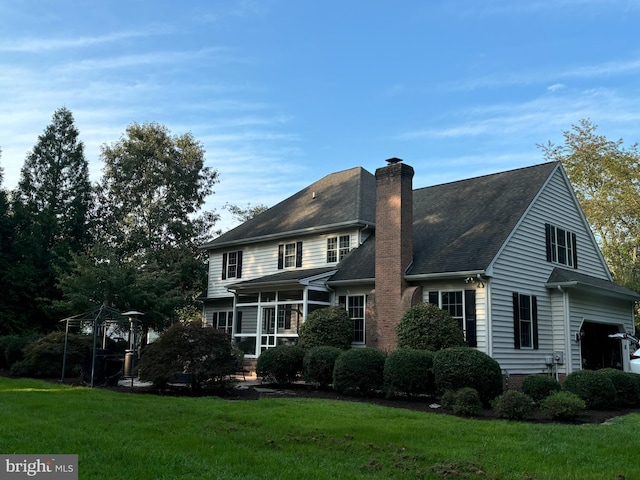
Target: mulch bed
(301, 390)
(419, 404)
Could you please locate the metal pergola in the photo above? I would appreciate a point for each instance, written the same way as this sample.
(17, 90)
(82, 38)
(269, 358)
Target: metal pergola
(95, 318)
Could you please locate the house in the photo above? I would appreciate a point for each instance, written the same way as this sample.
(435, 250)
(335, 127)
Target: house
(510, 256)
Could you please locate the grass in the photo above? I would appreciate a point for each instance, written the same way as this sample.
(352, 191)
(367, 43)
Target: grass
(120, 435)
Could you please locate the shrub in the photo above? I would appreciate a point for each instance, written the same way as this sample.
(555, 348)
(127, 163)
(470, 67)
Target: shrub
(467, 402)
(513, 405)
(448, 399)
(188, 348)
(359, 371)
(562, 405)
(408, 371)
(318, 364)
(11, 348)
(282, 364)
(539, 387)
(329, 326)
(427, 327)
(595, 389)
(459, 367)
(43, 358)
(626, 385)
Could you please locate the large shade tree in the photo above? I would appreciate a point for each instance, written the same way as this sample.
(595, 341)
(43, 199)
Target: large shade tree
(606, 177)
(148, 226)
(50, 210)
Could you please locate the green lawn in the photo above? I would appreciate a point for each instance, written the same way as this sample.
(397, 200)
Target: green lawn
(125, 436)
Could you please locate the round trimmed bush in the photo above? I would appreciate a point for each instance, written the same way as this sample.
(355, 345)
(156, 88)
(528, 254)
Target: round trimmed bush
(596, 390)
(11, 348)
(562, 405)
(408, 371)
(282, 364)
(513, 405)
(318, 364)
(467, 402)
(427, 327)
(329, 326)
(626, 385)
(44, 357)
(459, 367)
(539, 387)
(359, 371)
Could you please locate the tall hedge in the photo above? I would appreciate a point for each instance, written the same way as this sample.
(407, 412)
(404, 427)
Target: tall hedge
(329, 326)
(427, 327)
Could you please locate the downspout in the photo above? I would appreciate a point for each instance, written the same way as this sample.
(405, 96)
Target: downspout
(567, 331)
(487, 309)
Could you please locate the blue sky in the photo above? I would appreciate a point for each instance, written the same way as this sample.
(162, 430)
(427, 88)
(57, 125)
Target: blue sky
(283, 92)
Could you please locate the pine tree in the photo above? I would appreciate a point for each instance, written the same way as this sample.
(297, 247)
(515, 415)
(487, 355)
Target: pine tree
(51, 205)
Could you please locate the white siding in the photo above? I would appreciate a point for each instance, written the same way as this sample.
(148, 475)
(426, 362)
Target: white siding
(261, 259)
(481, 310)
(522, 267)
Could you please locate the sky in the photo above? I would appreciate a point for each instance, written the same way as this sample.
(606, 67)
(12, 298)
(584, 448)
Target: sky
(283, 92)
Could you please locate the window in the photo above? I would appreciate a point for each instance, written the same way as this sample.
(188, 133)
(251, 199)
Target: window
(461, 305)
(561, 246)
(232, 265)
(355, 305)
(290, 255)
(337, 248)
(223, 321)
(525, 321)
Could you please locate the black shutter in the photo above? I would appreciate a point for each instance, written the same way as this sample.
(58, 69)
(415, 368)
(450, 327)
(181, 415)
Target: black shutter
(238, 321)
(575, 250)
(224, 266)
(298, 254)
(470, 316)
(516, 321)
(433, 298)
(239, 264)
(547, 234)
(280, 257)
(342, 300)
(534, 320)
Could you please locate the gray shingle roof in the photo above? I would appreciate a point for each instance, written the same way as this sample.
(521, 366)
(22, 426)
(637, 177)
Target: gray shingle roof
(341, 198)
(459, 226)
(572, 279)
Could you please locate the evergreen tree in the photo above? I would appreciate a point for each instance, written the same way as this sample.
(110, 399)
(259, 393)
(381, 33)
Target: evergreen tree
(51, 206)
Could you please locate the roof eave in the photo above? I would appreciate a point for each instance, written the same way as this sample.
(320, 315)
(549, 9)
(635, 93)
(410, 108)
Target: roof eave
(291, 233)
(574, 284)
(435, 276)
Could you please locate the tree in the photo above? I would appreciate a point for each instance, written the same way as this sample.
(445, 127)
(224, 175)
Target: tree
(148, 227)
(606, 178)
(9, 324)
(50, 215)
(243, 214)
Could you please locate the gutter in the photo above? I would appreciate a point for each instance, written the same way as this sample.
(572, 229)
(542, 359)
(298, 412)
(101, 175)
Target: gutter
(436, 276)
(278, 236)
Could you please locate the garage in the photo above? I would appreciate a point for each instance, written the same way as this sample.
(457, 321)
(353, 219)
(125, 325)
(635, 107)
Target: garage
(597, 350)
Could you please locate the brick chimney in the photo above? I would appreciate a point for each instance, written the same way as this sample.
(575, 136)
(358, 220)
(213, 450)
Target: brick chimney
(394, 251)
